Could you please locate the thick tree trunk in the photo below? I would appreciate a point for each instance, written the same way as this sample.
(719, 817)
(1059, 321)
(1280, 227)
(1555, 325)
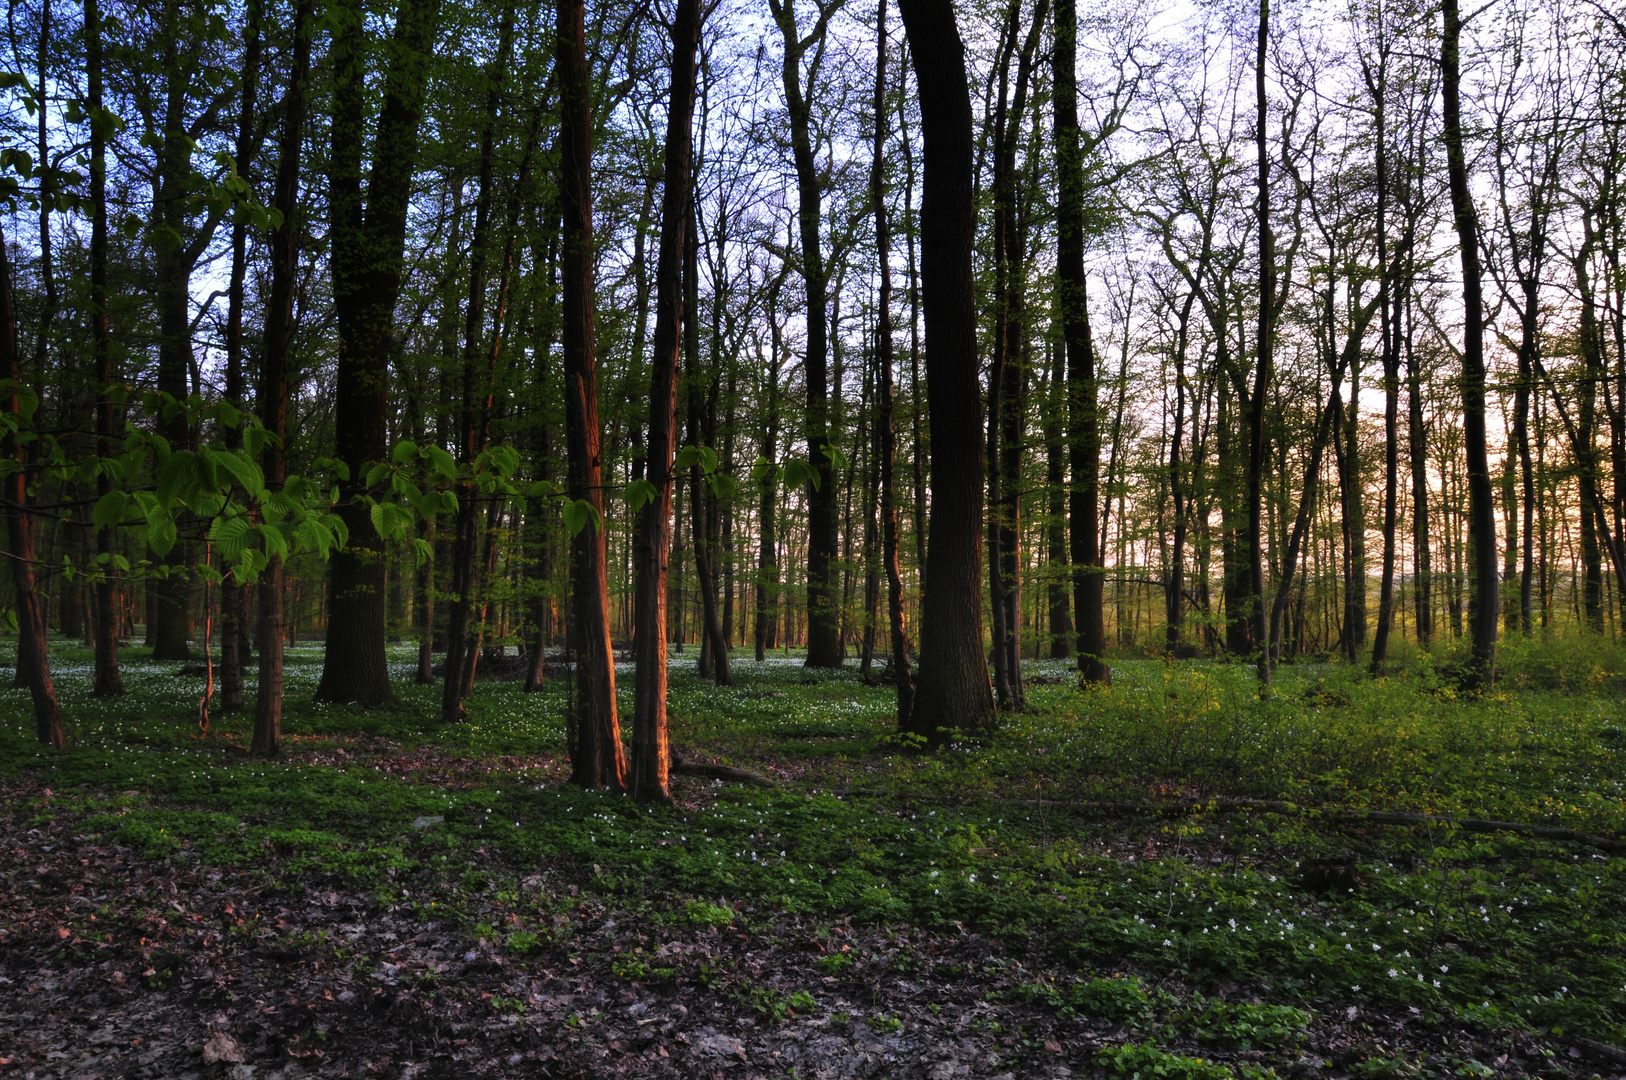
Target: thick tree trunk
(109, 682)
(32, 660)
(1084, 432)
(1481, 503)
(367, 236)
(651, 756)
(593, 730)
(953, 692)
(274, 378)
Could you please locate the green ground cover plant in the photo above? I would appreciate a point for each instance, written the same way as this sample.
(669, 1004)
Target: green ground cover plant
(1143, 868)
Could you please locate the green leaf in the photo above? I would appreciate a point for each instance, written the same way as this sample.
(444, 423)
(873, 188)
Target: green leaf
(178, 473)
(230, 536)
(723, 486)
(335, 525)
(244, 470)
(798, 473)
(161, 534)
(376, 474)
(228, 414)
(404, 451)
(274, 539)
(640, 493)
(762, 469)
(838, 460)
(109, 509)
(578, 513)
(442, 462)
(423, 550)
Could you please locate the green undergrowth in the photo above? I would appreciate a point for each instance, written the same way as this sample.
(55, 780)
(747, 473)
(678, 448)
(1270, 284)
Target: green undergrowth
(1036, 835)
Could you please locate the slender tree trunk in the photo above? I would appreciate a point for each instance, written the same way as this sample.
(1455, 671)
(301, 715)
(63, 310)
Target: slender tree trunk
(32, 660)
(593, 729)
(274, 379)
(539, 517)
(1481, 504)
(1060, 613)
(475, 409)
(1417, 455)
(367, 238)
(1391, 381)
(954, 692)
(824, 622)
(233, 594)
(108, 594)
(713, 647)
(1082, 391)
(1266, 347)
(650, 753)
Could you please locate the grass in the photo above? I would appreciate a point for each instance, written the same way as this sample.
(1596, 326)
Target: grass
(1030, 836)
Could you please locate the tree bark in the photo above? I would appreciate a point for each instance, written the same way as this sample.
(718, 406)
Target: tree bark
(823, 618)
(886, 419)
(1481, 503)
(475, 409)
(367, 234)
(651, 752)
(1084, 432)
(1264, 363)
(232, 592)
(593, 730)
(274, 378)
(33, 663)
(954, 692)
(109, 682)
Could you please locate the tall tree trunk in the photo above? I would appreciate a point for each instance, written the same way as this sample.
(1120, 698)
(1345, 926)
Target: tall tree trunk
(1481, 503)
(108, 597)
(172, 268)
(32, 662)
(274, 378)
(886, 421)
(475, 410)
(1055, 438)
(232, 592)
(650, 754)
(367, 235)
(767, 473)
(539, 517)
(1264, 362)
(713, 647)
(1586, 454)
(824, 620)
(1417, 456)
(593, 730)
(954, 692)
(1084, 432)
(1378, 87)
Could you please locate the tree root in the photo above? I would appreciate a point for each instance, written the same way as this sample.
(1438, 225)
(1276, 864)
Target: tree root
(679, 767)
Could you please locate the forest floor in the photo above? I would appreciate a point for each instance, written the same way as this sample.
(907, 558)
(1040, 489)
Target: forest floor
(1167, 878)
